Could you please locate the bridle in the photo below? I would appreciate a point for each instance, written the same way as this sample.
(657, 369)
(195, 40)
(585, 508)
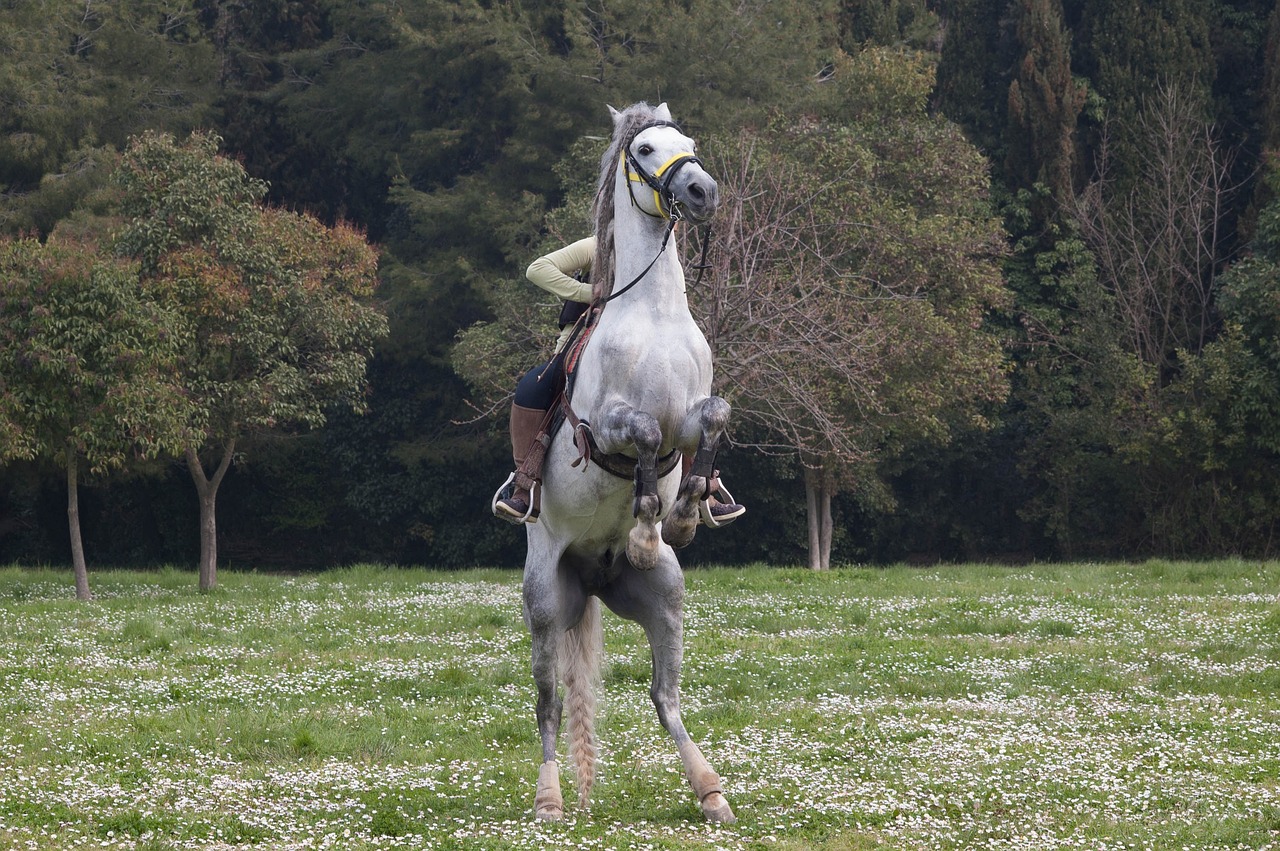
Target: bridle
(664, 198)
(660, 180)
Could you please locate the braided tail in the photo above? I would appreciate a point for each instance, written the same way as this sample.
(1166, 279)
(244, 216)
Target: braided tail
(581, 650)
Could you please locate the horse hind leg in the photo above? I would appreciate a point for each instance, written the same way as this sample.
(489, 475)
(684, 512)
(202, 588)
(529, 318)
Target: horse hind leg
(572, 657)
(549, 603)
(708, 422)
(665, 630)
(548, 803)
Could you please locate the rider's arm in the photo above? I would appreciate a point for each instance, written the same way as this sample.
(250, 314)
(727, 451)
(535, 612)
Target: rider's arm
(553, 272)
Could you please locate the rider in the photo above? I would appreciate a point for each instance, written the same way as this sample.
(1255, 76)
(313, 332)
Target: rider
(562, 273)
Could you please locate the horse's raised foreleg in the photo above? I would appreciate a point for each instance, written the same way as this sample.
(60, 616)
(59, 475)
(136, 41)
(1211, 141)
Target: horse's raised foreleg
(623, 429)
(704, 424)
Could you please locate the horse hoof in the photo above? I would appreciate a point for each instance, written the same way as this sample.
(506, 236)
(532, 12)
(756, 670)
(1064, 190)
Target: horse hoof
(677, 539)
(642, 547)
(550, 813)
(547, 804)
(678, 530)
(716, 809)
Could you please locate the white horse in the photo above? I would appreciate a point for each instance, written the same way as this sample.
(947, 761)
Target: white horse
(643, 383)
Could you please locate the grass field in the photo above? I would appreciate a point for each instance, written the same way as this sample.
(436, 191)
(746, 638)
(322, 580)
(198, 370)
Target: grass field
(1069, 706)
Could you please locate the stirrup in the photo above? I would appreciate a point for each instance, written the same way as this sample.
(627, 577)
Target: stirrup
(704, 509)
(502, 515)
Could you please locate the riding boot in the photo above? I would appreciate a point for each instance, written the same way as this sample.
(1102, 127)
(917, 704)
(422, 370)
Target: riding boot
(720, 513)
(522, 505)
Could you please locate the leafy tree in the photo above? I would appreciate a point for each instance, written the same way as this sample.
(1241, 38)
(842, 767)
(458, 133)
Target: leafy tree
(1045, 100)
(1271, 85)
(1219, 445)
(889, 23)
(848, 312)
(86, 367)
(78, 78)
(972, 69)
(1130, 52)
(271, 303)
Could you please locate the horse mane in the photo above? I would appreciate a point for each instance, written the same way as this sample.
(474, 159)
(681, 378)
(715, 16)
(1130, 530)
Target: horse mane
(626, 125)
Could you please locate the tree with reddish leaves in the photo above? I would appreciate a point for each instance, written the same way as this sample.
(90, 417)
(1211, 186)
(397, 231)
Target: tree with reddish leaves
(86, 367)
(273, 305)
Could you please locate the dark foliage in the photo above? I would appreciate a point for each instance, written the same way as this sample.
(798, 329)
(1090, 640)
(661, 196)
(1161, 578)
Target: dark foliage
(438, 127)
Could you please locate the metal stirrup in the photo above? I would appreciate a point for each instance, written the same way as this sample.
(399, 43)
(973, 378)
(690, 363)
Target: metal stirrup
(704, 508)
(497, 496)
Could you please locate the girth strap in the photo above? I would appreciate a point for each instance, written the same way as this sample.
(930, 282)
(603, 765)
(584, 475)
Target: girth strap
(613, 463)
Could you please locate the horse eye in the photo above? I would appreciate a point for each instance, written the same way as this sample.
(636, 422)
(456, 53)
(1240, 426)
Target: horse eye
(645, 150)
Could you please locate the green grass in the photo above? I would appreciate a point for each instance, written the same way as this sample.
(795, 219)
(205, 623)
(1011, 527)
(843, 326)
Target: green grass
(1056, 706)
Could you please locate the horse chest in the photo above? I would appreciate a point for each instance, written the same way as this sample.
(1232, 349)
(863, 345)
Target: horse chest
(678, 348)
(656, 374)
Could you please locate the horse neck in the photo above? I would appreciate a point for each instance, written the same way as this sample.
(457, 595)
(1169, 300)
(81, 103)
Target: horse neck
(638, 239)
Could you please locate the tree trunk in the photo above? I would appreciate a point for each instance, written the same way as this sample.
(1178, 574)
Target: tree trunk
(207, 491)
(824, 519)
(818, 485)
(73, 521)
(811, 514)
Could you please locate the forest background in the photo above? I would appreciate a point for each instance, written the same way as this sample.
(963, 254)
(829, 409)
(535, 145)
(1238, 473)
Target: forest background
(1126, 150)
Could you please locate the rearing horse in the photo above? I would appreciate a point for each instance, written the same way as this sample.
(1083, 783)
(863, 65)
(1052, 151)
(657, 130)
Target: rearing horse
(643, 384)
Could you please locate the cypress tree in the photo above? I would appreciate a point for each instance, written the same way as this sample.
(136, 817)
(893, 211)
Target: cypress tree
(972, 69)
(1044, 102)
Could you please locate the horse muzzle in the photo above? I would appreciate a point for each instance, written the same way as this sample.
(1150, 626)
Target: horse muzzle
(697, 193)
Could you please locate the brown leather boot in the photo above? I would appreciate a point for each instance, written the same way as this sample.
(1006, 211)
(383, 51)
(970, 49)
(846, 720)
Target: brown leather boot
(521, 506)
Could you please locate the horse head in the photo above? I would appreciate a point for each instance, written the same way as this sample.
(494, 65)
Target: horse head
(664, 176)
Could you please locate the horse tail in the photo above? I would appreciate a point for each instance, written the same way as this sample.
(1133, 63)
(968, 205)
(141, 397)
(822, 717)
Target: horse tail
(580, 653)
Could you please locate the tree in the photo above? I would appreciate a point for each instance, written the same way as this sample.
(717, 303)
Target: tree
(847, 313)
(1133, 52)
(1158, 242)
(86, 366)
(859, 259)
(79, 78)
(1044, 102)
(972, 69)
(1219, 442)
(271, 303)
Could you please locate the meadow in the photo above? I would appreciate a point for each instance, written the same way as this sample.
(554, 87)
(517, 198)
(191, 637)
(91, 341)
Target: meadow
(1092, 706)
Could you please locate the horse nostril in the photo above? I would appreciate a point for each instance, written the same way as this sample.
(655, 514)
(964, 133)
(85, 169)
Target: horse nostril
(696, 193)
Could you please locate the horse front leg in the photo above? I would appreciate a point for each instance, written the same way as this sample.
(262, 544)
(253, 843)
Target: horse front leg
(705, 423)
(623, 427)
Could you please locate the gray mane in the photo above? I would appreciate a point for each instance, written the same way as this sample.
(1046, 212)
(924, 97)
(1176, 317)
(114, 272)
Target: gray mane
(632, 119)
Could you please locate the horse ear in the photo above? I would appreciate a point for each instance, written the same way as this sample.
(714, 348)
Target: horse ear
(662, 113)
(615, 115)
